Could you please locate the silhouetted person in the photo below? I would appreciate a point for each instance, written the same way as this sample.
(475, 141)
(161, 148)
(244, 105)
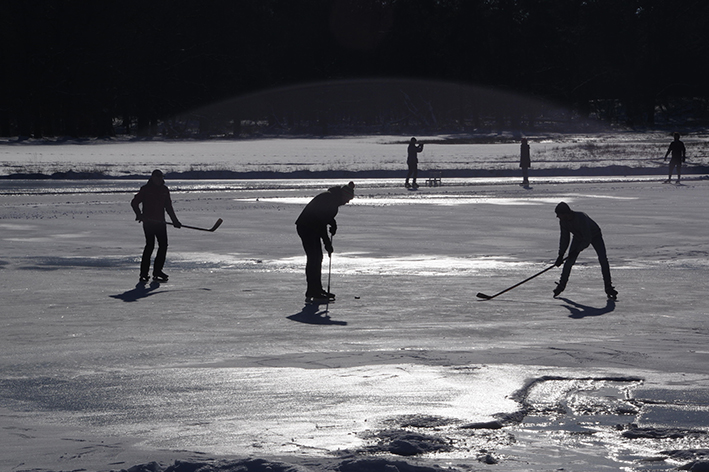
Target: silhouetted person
(586, 233)
(525, 162)
(678, 157)
(312, 228)
(412, 161)
(155, 198)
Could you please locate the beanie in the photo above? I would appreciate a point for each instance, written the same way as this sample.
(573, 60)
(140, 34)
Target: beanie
(562, 208)
(348, 190)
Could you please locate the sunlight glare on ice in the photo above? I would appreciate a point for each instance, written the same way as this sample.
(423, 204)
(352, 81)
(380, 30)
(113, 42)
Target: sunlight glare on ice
(353, 263)
(442, 200)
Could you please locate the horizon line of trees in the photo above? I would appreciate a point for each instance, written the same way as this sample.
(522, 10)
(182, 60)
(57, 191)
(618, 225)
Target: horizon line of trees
(82, 68)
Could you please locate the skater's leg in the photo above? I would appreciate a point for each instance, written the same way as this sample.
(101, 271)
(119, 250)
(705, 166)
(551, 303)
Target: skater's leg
(415, 175)
(411, 173)
(313, 264)
(673, 164)
(148, 250)
(566, 271)
(600, 247)
(161, 236)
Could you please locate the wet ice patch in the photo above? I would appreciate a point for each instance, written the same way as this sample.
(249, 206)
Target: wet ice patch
(52, 263)
(268, 410)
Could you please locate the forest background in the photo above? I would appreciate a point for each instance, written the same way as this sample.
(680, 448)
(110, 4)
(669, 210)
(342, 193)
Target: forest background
(101, 69)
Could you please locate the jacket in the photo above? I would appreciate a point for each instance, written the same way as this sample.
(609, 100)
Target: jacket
(155, 200)
(584, 230)
(320, 213)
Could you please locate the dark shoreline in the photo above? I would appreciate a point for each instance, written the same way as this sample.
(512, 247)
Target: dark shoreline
(366, 174)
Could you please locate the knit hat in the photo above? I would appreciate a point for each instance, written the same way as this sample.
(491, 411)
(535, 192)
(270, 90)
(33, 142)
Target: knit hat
(562, 208)
(348, 191)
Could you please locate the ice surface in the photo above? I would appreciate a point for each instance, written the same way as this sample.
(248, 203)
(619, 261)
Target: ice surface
(225, 360)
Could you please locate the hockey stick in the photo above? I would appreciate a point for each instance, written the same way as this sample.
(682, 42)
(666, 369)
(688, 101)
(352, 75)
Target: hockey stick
(490, 297)
(329, 267)
(211, 230)
(329, 273)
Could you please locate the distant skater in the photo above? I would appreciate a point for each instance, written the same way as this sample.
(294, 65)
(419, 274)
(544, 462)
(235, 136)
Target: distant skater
(412, 161)
(586, 233)
(155, 198)
(525, 162)
(312, 228)
(678, 157)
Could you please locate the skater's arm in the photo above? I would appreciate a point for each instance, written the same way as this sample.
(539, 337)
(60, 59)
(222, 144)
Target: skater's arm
(135, 204)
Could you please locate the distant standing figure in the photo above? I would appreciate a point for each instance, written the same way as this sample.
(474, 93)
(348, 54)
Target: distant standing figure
(412, 161)
(155, 199)
(678, 157)
(525, 162)
(586, 233)
(312, 228)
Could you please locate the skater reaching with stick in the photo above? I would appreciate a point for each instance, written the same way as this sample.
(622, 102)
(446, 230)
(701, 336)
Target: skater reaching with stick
(155, 199)
(412, 161)
(586, 233)
(312, 226)
(678, 157)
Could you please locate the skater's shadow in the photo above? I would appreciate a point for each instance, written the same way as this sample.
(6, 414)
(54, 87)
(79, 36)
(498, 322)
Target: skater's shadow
(578, 311)
(312, 314)
(141, 290)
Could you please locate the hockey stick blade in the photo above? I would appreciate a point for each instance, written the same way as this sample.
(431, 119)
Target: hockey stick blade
(216, 225)
(482, 295)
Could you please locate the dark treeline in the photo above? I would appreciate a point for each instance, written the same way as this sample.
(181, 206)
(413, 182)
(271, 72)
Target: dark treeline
(92, 68)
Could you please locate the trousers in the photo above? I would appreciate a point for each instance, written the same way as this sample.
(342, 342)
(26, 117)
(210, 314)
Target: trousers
(600, 248)
(154, 231)
(314, 256)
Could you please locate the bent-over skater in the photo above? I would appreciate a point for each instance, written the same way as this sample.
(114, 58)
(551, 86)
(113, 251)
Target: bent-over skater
(678, 152)
(586, 233)
(155, 199)
(312, 226)
(412, 161)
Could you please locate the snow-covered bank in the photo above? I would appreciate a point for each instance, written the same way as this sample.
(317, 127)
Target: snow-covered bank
(407, 369)
(352, 157)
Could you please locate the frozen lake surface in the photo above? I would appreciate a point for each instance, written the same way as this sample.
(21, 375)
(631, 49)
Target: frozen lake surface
(407, 367)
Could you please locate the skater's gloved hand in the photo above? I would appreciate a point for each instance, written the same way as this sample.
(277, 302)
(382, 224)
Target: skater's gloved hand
(329, 249)
(559, 260)
(138, 217)
(177, 224)
(333, 228)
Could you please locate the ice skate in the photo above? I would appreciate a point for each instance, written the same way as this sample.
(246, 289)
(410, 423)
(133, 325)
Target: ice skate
(559, 288)
(160, 277)
(611, 292)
